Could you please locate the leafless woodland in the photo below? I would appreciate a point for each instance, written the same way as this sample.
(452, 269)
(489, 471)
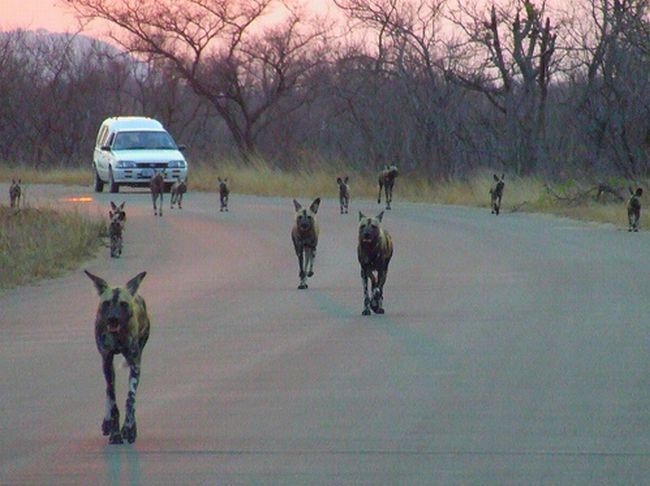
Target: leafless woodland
(438, 87)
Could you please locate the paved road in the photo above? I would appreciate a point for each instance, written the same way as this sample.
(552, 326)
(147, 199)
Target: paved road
(514, 350)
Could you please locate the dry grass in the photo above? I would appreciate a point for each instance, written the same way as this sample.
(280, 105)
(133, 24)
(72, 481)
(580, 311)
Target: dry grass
(47, 176)
(42, 243)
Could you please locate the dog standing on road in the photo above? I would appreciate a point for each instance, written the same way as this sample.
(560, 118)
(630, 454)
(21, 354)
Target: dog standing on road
(117, 219)
(344, 193)
(15, 192)
(375, 250)
(634, 209)
(304, 235)
(178, 189)
(387, 181)
(157, 186)
(496, 193)
(224, 193)
(121, 327)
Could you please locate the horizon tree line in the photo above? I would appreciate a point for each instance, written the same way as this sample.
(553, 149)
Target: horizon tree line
(439, 87)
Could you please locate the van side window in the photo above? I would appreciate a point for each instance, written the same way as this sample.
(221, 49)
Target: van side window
(101, 136)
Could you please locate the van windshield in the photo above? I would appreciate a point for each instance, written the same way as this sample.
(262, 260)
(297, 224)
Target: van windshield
(144, 140)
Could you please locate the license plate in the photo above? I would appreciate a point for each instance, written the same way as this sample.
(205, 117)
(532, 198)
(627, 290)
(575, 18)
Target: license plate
(147, 173)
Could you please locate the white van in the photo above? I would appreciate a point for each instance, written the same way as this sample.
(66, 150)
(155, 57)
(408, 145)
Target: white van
(129, 150)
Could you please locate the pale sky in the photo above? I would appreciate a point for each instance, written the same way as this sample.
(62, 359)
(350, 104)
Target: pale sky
(53, 15)
(35, 14)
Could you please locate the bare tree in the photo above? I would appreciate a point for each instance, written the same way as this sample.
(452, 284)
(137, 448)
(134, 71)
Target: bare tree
(410, 61)
(611, 53)
(508, 53)
(221, 49)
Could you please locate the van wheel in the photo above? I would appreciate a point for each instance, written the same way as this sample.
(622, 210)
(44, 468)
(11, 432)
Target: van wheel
(114, 186)
(99, 184)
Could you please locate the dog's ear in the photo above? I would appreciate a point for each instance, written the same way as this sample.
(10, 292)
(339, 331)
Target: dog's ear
(380, 216)
(100, 284)
(346, 179)
(297, 205)
(133, 284)
(121, 208)
(338, 180)
(314, 206)
(113, 206)
(496, 177)
(361, 215)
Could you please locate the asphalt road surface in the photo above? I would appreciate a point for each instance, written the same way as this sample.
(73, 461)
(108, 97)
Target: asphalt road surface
(514, 350)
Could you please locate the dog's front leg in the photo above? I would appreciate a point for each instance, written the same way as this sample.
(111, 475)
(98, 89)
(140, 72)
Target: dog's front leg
(310, 257)
(301, 274)
(378, 292)
(111, 423)
(366, 296)
(129, 430)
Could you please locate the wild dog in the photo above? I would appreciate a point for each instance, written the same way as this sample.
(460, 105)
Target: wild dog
(634, 209)
(375, 249)
(117, 219)
(121, 327)
(157, 186)
(304, 235)
(178, 189)
(344, 193)
(496, 193)
(387, 181)
(15, 192)
(117, 212)
(224, 193)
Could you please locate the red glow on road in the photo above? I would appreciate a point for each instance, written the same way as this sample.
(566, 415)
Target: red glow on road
(80, 199)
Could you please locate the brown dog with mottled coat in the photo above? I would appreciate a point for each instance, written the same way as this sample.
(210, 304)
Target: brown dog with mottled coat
(224, 193)
(157, 186)
(117, 220)
(386, 181)
(15, 192)
(179, 188)
(121, 327)
(496, 193)
(344, 193)
(374, 250)
(304, 235)
(634, 209)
